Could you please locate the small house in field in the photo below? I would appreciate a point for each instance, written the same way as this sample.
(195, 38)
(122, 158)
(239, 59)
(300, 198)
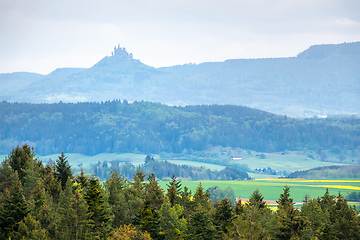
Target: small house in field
(236, 157)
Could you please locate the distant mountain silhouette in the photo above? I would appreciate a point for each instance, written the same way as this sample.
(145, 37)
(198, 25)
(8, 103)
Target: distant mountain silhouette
(321, 80)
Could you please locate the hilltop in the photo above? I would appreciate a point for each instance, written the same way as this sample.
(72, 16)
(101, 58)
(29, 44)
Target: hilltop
(322, 80)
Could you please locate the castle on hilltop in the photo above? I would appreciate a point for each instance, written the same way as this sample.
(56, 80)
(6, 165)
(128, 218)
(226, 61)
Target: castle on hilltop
(121, 52)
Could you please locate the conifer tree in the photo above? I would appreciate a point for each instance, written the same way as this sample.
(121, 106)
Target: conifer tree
(185, 201)
(95, 201)
(74, 213)
(20, 159)
(134, 197)
(83, 180)
(239, 208)
(138, 184)
(327, 201)
(149, 221)
(13, 209)
(30, 229)
(172, 224)
(200, 225)
(344, 219)
(115, 187)
(175, 182)
(63, 169)
(223, 216)
(289, 218)
(51, 183)
(153, 192)
(174, 190)
(316, 220)
(202, 198)
(45, 211)
(256, 200)
(7, 177)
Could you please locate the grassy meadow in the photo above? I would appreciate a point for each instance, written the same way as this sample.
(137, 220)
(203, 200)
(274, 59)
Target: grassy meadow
(272, 188)
(214, 158)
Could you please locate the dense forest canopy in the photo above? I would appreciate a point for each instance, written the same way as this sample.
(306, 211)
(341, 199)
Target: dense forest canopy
(48, 202)
(119, 126)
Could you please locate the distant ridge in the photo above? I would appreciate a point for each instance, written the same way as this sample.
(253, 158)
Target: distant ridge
(327, 50)
(322, 80)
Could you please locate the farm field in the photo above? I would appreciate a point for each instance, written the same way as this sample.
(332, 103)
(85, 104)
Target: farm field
(272, 188)
(290, 162)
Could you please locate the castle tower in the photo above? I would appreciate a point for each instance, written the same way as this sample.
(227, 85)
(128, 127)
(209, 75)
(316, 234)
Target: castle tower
(121, 52)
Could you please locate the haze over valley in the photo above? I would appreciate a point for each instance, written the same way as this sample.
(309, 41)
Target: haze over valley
(321, 80)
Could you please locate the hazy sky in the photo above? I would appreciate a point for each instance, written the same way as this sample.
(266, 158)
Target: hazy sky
(42, 35)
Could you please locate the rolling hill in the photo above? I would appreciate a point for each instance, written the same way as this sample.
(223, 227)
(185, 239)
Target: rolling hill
(324, 79)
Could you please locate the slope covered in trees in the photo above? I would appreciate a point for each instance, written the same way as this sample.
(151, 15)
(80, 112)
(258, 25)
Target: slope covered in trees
(336, 172)
(92, 128)
(36, 206)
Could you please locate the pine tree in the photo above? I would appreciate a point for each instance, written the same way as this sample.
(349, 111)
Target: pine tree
(45, 211)
(185, 201)
(138, 184)
(202, 198)
(30, 229)
(344, 219)
(200, 225)
(13, 209)
(224, 216)
(134, 197)
(7, 177)
(173, 191)
(51, 183)
(63, 169)
(149, 221)
(153, 192)
(115, 186)
(284, 199)
(175, 182)
(95, 201)
(316, 220)
(291, 223)
(74, 214)
(327, 201)
(257, 200)
(172, 224)
(20, 159)
(83, 180)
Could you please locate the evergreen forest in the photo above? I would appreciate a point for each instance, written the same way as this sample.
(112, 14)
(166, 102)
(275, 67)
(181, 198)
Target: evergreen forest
(151, 128)
(40, 201)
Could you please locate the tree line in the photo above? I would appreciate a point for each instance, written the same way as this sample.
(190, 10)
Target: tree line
(165, 169)
(151, 128)
(49, 202)
(326, 172)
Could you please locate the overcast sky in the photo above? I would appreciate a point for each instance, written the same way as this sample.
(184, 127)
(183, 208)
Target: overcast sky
(42, 35)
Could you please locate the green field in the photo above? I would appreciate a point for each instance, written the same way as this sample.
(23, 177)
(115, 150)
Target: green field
(212, 159)
(272, 188)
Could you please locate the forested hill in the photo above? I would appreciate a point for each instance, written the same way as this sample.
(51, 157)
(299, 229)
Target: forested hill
(119, 126)
(321, 80)
(335, 172)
